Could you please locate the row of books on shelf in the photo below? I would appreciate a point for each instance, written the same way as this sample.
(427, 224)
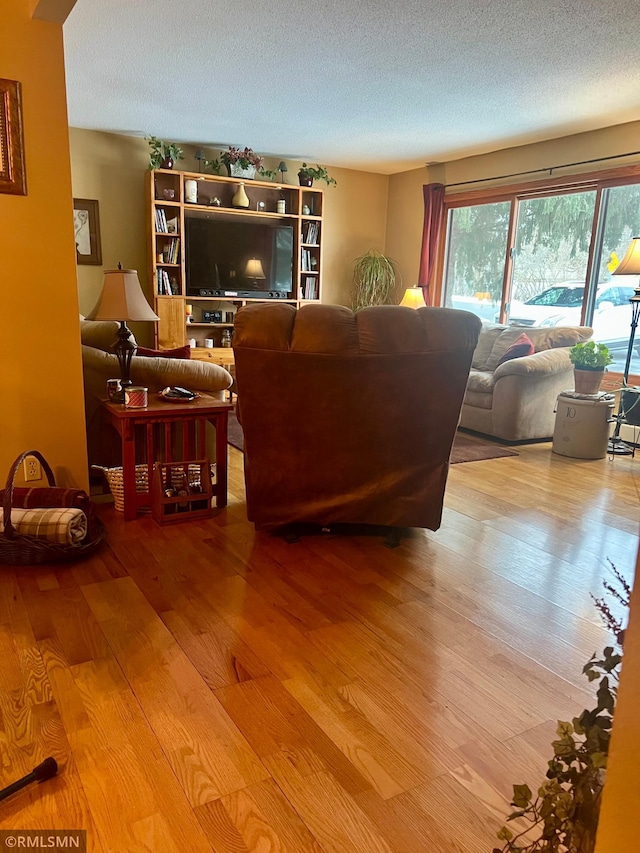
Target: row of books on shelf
(310, 232)
(164, 225)
(164, 285)
(171, 251)
(309, 288)
(309, 261)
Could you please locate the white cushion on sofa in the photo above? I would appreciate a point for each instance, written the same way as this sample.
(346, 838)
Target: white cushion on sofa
(488, 336)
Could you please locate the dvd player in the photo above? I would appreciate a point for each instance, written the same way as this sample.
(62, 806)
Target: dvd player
(245, 294)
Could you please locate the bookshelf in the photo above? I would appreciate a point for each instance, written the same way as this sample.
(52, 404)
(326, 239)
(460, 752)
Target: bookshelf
(168, 211)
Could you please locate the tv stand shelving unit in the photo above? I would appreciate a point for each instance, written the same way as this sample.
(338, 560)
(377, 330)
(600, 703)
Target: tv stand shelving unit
(168, 210)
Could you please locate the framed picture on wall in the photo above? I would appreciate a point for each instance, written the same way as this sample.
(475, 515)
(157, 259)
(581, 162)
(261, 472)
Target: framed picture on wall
(13, 178)
(86, 224)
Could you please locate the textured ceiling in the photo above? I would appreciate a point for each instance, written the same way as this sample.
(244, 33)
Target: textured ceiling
(364, 84)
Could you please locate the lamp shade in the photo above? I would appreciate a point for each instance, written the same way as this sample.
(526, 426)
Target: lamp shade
(413, 298)
(254, 269)
(122, 298)
(630, 264)
(282, 166)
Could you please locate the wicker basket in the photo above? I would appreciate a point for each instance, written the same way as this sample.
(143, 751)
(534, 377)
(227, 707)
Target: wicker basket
(26, 550)
(115, 481)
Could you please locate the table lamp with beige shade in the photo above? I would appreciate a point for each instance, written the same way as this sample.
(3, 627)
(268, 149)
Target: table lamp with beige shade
(413, 298)
(122, 300)
(254, 270)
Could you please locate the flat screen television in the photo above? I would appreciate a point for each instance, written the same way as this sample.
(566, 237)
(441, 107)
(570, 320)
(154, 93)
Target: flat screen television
(219, 252)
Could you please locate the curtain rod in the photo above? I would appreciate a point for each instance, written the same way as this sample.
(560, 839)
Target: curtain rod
(549, 169)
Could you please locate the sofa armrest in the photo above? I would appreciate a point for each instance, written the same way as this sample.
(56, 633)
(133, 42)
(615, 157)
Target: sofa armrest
(545, 363)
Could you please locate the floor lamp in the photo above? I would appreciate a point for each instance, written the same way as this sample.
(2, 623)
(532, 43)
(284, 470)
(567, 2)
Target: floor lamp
(629, 265)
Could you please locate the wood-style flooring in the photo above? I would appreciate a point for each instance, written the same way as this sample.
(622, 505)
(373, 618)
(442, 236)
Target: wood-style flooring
(207, 688)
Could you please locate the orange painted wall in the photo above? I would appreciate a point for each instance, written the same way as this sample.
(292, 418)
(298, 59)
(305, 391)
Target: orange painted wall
(41, 402)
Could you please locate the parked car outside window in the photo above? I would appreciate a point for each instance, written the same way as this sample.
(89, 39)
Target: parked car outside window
(561, 305)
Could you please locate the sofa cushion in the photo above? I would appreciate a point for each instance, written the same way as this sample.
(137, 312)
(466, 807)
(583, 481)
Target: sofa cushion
(480, 381)
(101, 334)
(488, 336)
(560, 336)
(477, 400)
(178, 352)
(522, 346)
(542, 339)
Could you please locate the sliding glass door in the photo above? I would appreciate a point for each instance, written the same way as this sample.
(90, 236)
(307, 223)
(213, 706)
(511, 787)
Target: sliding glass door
(550, 260)
(547, 260)
(610, 315)
(476, 251)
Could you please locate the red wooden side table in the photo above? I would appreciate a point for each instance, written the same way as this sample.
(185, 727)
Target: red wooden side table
(182, 423)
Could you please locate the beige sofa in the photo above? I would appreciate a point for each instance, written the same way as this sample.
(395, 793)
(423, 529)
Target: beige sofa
(515, 401)
(99, 364)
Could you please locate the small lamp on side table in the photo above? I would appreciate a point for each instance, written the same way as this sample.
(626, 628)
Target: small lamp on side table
(629, 265)
(413, 298)
(122, 299)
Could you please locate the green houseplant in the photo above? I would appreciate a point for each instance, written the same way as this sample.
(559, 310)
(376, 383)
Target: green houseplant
(163, 155)
(589, 361)
(374, 278)
(563, 816)
(243, 163)
(308, 174)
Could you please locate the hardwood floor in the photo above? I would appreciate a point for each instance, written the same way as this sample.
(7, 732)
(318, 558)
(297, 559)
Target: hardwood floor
(208, 688)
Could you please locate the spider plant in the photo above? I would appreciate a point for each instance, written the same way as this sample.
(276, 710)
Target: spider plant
(374, 278)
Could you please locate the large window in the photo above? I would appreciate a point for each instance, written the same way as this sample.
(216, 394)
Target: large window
(545, 258)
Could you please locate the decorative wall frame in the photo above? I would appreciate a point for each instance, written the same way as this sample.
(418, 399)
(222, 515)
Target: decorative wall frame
(13, 177)
(86, 224)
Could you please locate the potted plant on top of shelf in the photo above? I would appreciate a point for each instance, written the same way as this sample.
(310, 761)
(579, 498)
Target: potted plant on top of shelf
(163, 155)
(308, 174)
(589, 361)
(241, 163)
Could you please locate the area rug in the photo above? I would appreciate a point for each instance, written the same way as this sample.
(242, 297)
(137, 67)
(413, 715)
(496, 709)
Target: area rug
(466, 448)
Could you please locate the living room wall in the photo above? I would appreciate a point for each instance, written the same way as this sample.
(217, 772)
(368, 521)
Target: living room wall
(42, 398)
(111, 168)
(405, 211)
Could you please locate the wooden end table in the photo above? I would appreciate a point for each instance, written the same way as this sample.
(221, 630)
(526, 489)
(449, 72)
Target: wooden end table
(193, 418)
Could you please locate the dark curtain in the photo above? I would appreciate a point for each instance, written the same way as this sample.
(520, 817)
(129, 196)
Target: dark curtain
(433, 219)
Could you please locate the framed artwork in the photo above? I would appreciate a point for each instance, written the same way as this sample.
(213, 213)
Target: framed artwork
(86, 224)
(13, 178)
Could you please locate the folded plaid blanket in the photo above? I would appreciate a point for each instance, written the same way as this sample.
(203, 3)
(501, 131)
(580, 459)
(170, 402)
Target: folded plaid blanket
(62, 526)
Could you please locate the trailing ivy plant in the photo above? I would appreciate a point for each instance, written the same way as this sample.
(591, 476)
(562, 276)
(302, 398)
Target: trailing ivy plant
(562, 817)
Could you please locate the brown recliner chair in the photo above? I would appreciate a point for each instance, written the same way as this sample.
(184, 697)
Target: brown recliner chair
(350, 418)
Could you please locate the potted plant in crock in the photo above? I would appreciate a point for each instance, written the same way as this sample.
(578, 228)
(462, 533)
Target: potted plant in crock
(589, 361)
(374, 278)
(163, 155)
(308, 174)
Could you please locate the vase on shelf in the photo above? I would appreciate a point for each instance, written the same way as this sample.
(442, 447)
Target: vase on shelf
(191, 191)
(240, 199)
(235, 170)
(305, 180)
(167, 163)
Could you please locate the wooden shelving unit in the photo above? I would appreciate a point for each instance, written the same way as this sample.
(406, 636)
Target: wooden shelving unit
(168, 210)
